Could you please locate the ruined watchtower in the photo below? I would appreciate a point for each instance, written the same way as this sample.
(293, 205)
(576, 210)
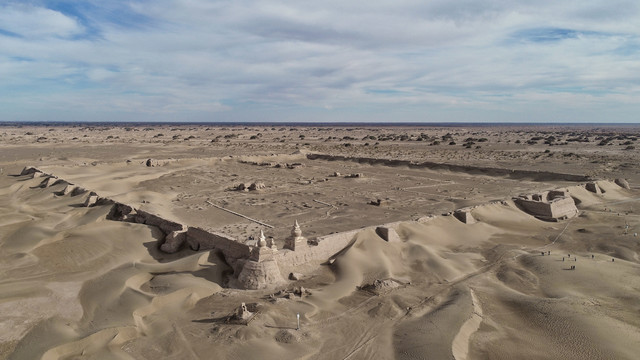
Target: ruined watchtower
(295, 241)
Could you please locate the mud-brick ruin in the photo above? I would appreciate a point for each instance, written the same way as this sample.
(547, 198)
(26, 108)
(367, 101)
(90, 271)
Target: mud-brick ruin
(550, 205)
(262, 264)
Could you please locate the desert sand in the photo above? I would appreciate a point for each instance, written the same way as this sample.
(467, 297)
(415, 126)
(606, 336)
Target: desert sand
(491, 282)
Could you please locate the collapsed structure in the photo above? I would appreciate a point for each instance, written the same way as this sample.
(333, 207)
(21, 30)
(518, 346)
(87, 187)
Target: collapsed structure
(263, 265)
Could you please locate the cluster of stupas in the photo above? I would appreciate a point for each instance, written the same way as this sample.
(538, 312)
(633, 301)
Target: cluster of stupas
(294, 242)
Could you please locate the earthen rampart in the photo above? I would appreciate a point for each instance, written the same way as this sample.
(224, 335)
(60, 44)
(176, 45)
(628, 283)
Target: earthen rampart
(470, 169)
(264, 266)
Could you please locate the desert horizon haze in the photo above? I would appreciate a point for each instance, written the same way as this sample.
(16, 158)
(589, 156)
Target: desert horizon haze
(390, 61)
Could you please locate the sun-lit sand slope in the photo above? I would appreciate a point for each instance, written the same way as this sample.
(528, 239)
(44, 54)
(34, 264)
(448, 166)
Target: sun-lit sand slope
(73, 282)
(74, 285)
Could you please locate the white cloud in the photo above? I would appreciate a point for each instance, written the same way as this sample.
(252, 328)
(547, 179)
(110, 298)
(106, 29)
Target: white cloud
(197, 56)
(32, 21)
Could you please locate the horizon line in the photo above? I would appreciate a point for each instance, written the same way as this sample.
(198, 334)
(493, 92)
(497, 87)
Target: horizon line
(312, 123)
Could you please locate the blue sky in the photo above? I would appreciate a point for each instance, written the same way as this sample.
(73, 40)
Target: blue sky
(346, 61)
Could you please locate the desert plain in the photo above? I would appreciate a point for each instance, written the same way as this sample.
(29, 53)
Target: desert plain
(402, 274)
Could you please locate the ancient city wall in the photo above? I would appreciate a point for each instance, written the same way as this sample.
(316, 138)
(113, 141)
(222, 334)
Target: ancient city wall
(326, 247)
(199, 239)
(260, 267)
(515, 174)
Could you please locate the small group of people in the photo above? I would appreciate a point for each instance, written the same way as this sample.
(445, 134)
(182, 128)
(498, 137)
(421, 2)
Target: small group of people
(573, 267)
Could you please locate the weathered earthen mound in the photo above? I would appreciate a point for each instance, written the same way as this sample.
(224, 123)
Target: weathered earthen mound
(623, 183)
(465, 216)
(381, 286)
(285, 336)
(380, 202)
(91, 200)
(388, 234)
(28, 170)
(249, 186)
(260, 275)
(594, 188)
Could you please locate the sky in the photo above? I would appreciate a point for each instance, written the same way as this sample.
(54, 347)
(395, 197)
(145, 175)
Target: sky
(320, 61)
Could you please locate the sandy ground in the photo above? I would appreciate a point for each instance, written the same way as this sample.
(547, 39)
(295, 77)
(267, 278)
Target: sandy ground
(74, 285)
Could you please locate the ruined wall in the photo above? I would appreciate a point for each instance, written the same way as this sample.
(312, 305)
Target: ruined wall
(593, 187)
(199, 239)
(563, 207)
(515, 174)
(464, 216)
(536, 208)
(257, 268)
(166, 226)
(326, 247)
(555, 194)
(556, 209)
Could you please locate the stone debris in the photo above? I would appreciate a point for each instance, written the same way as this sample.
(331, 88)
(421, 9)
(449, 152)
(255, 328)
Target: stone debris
(241, 187)
(249, 186)
(256, 186)
(353, 176)
(289, 294)
(379, 202)
(155, 162)
(295, 276)
(242, 313)
(424, 219)
(294, 165)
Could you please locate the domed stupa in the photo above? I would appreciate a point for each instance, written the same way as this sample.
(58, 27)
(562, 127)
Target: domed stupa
(295, 241)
